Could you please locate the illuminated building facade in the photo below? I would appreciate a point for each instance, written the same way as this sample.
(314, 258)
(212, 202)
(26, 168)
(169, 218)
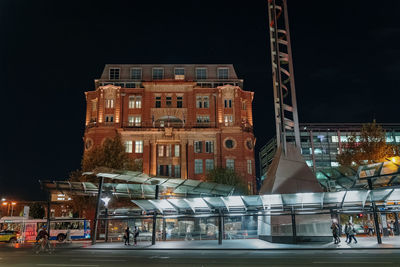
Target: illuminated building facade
(178, 120)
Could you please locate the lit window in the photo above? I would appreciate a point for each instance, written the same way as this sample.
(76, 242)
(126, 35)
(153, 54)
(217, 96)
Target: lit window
(179, 101)
(131, 102)
(209, 147)
(203, 119)
(138, 101)
(397, 138)
(309, 163)
(139, 146)
(201, 73)
(131, 120)
(343, 138)
(209, 164)
(317, 151)
(168, 151)
(179, 73)
(114, 74)
(198, 166)
(335, 139)
(109, 103)
(228, 120)
(158, 73)
(160, 150)
(176, 151)
(128, 146)
(249, 167)
(158, 101)
(334, 164)
(198, 147)
(223, 73)
(389, 139)
(136, 73)
(230, 164)
(138, 120)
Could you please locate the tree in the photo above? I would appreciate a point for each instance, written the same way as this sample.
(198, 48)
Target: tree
(110, 154)
(368, 147)
(36, 210)
(228, 177)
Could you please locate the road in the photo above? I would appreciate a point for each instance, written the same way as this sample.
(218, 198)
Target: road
(96, 258)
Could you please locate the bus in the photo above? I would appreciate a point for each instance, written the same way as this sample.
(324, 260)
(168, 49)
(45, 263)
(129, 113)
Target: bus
(28, 228)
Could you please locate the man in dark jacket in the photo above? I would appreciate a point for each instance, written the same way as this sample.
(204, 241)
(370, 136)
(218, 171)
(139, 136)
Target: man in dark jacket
(127, 233)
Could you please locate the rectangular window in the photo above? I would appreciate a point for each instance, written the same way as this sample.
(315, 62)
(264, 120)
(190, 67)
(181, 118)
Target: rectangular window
(131, 120)
(397, 138)
(209, 164)
(138, 101)
(139, 146)
(244, 105)
(168, 151)
(223, 73)
(228, 103)
(176, 151)
(160, 150)
(249, 167)
(109, 118)
(109, 103)
(168, 101)
(179, 101)
(201, 73)
(179, 73)
(136, 73)
(198, 166)
(131, 102)
(199, 102)
(158, 73)
(130, 85)
(203, 119)
(114, 74)
(128, 146)
(205, 102)
(158, 101)
(177, 171)
(198, 147)
(230, 164)
(335, 139)
(228, 120)
(138, 121)
(209, 147)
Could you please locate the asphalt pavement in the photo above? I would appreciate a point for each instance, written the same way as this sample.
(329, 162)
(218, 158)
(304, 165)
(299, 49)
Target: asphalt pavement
(86, 257)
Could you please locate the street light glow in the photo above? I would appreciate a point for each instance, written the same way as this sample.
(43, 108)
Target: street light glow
(105, 200)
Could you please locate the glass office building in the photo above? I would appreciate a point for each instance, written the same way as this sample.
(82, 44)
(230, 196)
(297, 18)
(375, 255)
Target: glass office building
(322, 142)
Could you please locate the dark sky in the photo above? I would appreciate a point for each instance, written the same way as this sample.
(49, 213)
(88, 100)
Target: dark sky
(346, 60)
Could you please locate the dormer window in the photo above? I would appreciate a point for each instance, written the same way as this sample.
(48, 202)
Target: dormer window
(201, 73)
(158, 73)
(136, 73)
(223, 73)
(114, 73)
(179, 73)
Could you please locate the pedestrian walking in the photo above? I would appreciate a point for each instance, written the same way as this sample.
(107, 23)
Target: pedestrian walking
(352, 233)
(346, 231)
(135, 236)
(335, 233)
(126, 236)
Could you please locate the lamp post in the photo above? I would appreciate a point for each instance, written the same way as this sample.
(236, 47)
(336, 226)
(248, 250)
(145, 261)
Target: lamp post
(106, 200)
(12, 207)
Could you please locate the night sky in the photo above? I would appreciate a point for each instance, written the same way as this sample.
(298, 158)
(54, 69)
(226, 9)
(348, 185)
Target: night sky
(346, 61)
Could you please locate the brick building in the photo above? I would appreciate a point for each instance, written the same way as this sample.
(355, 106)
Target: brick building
(180, 120)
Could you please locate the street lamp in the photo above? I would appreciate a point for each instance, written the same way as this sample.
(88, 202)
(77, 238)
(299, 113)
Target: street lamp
(106, 199)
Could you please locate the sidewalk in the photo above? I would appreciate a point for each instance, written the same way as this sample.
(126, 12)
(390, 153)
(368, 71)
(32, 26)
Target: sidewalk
(252, 244)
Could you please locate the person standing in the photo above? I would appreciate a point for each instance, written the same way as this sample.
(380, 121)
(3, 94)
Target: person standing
(135, 235)
(127, 233)
(335, 233)
(352, 233)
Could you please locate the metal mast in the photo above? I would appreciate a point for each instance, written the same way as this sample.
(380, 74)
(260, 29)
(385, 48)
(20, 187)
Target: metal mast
(286, 116)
